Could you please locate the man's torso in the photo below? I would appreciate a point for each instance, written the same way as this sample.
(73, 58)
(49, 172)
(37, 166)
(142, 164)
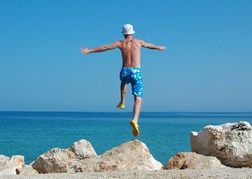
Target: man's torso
(130, 49)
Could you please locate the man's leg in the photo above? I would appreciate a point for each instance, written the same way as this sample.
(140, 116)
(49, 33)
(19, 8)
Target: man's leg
(137, 107)
(136, 112)
(123, 92)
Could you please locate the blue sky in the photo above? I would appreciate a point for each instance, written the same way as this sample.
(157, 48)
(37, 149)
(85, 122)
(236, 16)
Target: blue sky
(207, 66)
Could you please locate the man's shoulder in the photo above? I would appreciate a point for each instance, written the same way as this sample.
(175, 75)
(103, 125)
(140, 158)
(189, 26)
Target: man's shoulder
(139, 40)
(119, 41)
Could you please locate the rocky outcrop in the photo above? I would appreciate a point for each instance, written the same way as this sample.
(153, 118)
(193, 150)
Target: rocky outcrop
(231, 143)
(191, 160)
(62, 160)
(27, 169)
(3, 160)
(132, 155)
(11, 166)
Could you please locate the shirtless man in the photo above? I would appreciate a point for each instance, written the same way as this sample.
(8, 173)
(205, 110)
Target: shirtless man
(131, 69)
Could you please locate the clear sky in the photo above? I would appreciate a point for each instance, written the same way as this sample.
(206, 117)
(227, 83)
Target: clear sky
(207, 66)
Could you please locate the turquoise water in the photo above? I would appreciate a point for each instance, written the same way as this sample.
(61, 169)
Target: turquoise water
(33, 133)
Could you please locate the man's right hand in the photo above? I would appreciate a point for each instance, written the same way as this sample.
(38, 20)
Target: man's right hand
(84, 50)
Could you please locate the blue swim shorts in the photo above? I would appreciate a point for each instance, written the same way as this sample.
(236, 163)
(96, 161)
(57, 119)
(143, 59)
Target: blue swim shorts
(133, 76)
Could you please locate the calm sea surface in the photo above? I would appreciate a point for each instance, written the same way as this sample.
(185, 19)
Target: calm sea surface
(33, 133)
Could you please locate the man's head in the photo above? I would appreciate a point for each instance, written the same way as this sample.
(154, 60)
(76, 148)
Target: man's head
(128, 29)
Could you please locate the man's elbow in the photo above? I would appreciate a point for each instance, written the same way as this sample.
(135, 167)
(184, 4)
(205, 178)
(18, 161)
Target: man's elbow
(104, 48)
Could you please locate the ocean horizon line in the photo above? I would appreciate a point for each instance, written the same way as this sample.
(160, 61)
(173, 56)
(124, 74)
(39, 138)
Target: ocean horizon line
(143, 114)
(204, 112)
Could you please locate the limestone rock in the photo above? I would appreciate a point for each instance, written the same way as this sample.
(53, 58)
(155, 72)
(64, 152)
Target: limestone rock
(10, 166)
(231, 143)
(3, 160)
(191, 160)
(61, 160)
(83, 149)
(27, 170)
(132, 155)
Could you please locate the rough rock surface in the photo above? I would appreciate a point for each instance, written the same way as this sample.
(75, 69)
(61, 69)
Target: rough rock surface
(62, 160)
(231, 143)
(3, 160)
(10, 166)
(191, 160)
(132, 155)
(27, 169)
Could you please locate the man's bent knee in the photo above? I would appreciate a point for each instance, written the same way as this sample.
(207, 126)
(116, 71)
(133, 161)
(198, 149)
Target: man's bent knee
(138, 99)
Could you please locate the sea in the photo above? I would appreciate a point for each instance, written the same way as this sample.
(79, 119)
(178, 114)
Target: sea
(165, 133)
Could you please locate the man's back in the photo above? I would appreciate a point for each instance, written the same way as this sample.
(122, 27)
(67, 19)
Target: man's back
(130, 49)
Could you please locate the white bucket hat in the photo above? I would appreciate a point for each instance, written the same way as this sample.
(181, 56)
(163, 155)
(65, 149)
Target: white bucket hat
(128, 29)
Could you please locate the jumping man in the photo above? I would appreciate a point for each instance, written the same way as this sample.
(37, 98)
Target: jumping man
(131, 69)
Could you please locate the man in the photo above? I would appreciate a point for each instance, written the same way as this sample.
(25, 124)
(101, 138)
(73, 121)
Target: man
(131, 69)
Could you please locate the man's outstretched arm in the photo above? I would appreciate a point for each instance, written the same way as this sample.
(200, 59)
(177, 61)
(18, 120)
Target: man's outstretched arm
(102, 48)
(152, 46)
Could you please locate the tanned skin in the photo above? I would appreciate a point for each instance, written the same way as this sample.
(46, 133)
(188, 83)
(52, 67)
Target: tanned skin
(130, 49)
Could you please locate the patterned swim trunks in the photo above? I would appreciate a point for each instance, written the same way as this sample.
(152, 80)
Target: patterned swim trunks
(133, 76)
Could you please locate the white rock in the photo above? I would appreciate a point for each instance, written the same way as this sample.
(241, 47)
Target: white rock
(231, 143)
(191, 160)
(28, 169)
(132, 155)
(3, 160)
(83, 149)
(10, 166)
(61, 160)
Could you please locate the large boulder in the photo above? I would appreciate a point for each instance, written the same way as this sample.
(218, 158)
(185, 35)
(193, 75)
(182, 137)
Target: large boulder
(231, 143)
(132, 155)
(11, 166)
(191, 160)
(62, 160)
